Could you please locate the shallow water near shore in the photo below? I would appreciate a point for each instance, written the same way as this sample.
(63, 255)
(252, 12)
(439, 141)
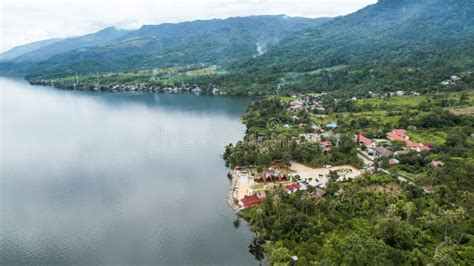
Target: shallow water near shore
(128, 178)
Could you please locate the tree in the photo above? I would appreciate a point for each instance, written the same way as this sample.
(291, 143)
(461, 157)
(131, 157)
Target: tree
(409, 208)
(259, 215)
(277, 202)
(442, 255)
(279, 254)
(305, 199)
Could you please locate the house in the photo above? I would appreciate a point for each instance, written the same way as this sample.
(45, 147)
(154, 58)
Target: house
(319, 192)
(326, 146)
(401, 135)
(271, 172)
(445, 82)
(394, 137)
(402, 152)
(398, 135)
(249, 201)
(361, 139)
(316, 129)
(401, 132)
(292, 188)
(419, 147)
(455, 78)
(393, 161)
(381, 151)
(294, 118)
(437, 163)
(283, 177)
(332, 125)
(311, 137)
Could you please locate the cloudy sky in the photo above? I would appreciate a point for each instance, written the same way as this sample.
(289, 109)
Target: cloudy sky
(24, 21)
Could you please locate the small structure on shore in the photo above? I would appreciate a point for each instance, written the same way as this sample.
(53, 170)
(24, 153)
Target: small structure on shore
(250, 201)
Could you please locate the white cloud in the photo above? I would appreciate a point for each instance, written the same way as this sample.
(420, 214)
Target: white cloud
(23, 21)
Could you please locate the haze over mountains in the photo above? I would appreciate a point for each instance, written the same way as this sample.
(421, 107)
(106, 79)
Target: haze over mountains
(196, 42)
(388, 45)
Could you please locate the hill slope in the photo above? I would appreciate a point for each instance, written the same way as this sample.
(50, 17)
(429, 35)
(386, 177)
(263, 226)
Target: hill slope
(395, 42)
(24, 49)
(101, 37)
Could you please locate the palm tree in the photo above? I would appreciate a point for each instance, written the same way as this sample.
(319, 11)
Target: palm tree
(392, 210)
(306, 199)
(409, 209)
(259, 215)
(277, 203)
(448, 217)
(441, 255)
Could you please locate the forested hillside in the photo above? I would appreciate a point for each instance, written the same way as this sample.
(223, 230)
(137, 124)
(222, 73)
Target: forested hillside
(189, 43)
(390, 45)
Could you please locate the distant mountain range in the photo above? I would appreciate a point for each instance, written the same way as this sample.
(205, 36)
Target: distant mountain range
(393, 44)
(197, 42)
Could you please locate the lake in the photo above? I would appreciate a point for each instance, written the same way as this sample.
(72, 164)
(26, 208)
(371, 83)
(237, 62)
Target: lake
(127, 178)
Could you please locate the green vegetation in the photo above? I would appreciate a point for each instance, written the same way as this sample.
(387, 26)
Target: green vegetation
(268, 140)
(376, 219)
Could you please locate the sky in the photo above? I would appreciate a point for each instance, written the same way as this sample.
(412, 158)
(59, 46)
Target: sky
(24, 21)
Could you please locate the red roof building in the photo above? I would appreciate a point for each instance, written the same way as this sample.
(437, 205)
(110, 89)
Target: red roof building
(400, 132)
(249, 201)
(401, 135)
(364, 140)
(292, 188)
(394, 136)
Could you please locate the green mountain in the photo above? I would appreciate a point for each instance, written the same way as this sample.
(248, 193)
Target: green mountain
(188, 43)
(24, 49)
(394, 44)
(96, 39)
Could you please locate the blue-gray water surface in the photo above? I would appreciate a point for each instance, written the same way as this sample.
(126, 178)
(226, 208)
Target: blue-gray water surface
(117, 179)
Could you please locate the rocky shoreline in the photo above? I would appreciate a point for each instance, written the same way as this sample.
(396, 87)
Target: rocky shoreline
(231, 201)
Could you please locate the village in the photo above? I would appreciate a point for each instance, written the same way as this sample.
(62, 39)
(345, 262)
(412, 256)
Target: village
(249, 186)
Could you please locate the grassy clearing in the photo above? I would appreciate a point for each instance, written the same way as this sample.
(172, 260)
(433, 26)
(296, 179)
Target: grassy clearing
(428, 136)
(463, 111)
(398, 101)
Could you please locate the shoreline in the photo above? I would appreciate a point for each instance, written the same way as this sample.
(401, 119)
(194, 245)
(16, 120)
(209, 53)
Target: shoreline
(230, 196)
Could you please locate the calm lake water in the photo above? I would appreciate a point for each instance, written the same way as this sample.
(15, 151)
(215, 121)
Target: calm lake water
(118, 179)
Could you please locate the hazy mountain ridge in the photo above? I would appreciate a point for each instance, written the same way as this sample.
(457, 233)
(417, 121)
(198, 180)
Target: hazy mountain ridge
(101, 37)
(196, 42)
(26, 48)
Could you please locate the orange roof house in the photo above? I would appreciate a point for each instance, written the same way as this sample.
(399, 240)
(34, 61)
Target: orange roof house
(361, 139)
